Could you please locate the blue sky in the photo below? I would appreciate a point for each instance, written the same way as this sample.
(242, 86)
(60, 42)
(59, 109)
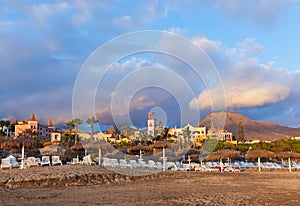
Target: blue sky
(253, 44)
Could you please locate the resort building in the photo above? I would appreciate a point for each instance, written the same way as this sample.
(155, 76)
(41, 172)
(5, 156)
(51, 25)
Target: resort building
(55, 136)
(151, 124)
(41, 131)
(220, 134)
(188, 133)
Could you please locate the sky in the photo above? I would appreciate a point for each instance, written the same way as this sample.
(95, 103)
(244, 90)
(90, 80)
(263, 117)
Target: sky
(253, 46)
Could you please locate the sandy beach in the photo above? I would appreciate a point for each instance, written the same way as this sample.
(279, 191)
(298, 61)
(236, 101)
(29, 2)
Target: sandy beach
(92, 185)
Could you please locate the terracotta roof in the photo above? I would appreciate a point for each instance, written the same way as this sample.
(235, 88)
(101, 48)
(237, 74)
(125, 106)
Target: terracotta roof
(50, 123)
(32, 118)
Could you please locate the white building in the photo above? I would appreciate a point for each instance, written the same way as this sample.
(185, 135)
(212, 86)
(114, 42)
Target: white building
(151, 124)
(188, 132)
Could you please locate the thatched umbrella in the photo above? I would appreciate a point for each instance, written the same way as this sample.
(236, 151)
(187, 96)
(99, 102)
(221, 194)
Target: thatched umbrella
(19, 143)
(78, 150)
(223, 154)
(193, 153)
(289, 156)
(139, 148)
(161, 145)
(77, 147)
(259, 153)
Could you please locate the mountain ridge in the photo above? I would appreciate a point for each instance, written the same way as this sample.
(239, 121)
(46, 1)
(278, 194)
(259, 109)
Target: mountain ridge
(253, 129)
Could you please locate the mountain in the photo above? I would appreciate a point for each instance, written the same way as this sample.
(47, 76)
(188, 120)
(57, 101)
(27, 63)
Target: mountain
(264, 131)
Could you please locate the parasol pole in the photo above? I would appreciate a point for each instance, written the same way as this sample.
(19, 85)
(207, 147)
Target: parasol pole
(99, 156)
(258, 164)
(221, 164)
(290, 167)
(22, 157)
(164, 159)
(140, 155)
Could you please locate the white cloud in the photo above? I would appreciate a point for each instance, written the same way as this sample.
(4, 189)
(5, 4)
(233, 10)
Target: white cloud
(247, 83)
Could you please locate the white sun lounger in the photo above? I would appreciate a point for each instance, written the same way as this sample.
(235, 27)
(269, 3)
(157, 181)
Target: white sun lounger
(31, 161)
(56, 160)
(142, 164)
(75, 161)
(159, 165)
(114, 163)
(124, 164)
(152, 165)
(45, 160)
(134, 164)
(87, 160)
(106, 162)
(5, 163)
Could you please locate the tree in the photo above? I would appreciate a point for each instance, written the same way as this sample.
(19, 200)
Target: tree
(77, 122)
(91, 121)
(29, 133)
(187, 135)
(127, 131)
(241, 138)
(2, 124)
(70, 125)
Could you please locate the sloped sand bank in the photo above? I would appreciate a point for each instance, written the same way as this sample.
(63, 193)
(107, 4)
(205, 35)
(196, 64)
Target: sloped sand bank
(91, 185)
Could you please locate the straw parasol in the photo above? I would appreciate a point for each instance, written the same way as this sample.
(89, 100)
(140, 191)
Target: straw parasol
(193, 153)
(161, 145)
(139, 148)
(223, 154)
(259, 153)
(20, 142)
(253, 154)
(288, 155)
(77, 147)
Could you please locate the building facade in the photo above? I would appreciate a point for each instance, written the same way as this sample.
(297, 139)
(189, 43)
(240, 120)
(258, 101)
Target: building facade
(151, 124)
(41, 131)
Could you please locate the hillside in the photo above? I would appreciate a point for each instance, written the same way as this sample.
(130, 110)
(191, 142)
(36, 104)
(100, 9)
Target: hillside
(264, 131)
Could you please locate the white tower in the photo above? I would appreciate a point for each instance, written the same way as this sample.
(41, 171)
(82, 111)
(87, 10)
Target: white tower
(151, 124)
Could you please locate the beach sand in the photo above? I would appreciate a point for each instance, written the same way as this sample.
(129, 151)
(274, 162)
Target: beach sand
(92, 185)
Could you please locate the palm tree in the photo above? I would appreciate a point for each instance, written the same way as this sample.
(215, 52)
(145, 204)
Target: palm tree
(77, 122)
(70, 125)
(91, 121)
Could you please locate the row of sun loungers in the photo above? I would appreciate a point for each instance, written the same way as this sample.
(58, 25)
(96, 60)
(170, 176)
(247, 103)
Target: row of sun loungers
(132, 164)
(248, 165)
(11, 162)
(87, 160)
